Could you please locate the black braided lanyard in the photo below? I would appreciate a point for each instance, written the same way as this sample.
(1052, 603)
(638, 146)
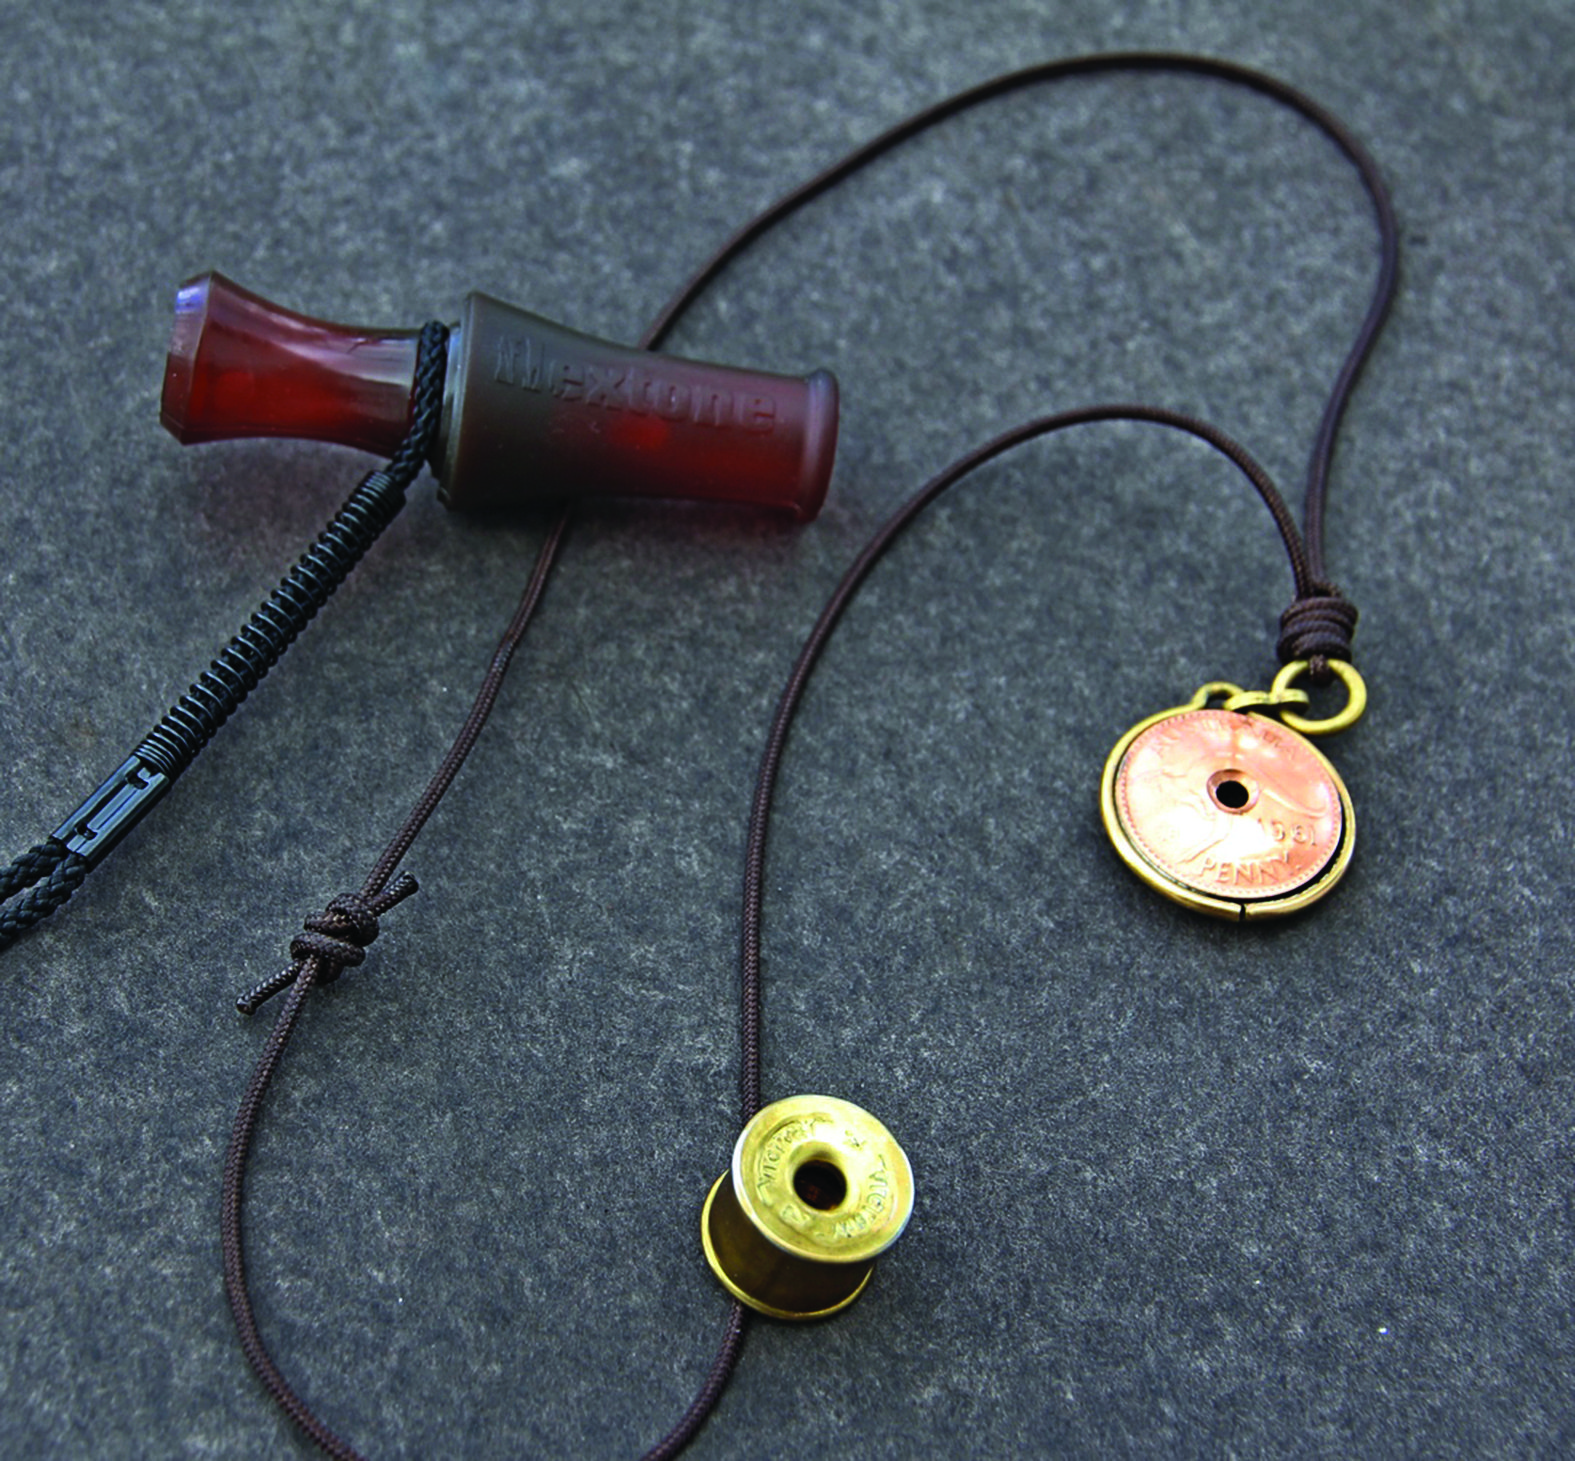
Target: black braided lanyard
(52, 870)
(1317, 626)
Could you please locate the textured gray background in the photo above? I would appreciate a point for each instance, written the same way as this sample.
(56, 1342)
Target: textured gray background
(1184, 1188)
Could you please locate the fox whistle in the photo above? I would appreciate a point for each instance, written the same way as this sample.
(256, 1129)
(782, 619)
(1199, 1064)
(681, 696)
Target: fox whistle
(532, 411)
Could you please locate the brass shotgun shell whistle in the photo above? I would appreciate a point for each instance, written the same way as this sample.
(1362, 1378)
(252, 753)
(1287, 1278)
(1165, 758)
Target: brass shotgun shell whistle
(818, 1188)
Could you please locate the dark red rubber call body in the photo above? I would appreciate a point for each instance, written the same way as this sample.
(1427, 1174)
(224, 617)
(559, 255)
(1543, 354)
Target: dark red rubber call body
(532, 411)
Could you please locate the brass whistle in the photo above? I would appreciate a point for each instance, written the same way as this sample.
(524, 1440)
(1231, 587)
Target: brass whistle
(818, 1188)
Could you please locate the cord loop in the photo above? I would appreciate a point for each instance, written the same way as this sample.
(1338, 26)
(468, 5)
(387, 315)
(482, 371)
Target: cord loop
(1318, 628)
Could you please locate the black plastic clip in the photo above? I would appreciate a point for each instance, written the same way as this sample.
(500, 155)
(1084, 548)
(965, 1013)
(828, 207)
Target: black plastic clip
(112, 811)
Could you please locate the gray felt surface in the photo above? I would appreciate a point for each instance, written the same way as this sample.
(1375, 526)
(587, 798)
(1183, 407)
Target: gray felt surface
(1184, 1188)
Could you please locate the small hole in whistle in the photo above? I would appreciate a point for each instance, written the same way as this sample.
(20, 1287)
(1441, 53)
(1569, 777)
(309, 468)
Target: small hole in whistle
(820, 1185)
(1233, 790)
(1231, 794)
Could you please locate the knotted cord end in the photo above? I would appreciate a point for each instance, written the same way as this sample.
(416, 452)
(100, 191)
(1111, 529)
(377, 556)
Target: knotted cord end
(337, 938)
(1318, 628)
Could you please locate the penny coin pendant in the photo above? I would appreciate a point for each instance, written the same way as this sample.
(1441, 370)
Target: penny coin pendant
(1228, 812)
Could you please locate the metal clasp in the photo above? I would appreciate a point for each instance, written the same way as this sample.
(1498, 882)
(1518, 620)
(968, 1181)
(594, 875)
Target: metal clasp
(1282, 695)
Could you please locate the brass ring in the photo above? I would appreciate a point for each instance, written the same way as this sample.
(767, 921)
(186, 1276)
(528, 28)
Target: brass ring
(1225, 689)
(1355, 704)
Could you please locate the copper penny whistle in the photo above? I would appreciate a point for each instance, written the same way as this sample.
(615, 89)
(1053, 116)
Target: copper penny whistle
(1226, 810)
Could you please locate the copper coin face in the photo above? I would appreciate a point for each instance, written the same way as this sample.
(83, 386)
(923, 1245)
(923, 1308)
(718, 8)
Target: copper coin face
(1230, 805)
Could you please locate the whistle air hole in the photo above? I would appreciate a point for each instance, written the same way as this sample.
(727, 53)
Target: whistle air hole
(820, 1184)
(1232, 790)
(1233, 794)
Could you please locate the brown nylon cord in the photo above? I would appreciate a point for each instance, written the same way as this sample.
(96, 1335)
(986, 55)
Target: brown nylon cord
(375, 898)
(1318, 623)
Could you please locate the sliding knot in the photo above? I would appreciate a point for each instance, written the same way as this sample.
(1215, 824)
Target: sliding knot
(1318, 628)
(337, 938)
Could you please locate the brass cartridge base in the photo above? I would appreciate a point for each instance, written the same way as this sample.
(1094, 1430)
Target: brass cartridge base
(765, 1277)
(818, 1187)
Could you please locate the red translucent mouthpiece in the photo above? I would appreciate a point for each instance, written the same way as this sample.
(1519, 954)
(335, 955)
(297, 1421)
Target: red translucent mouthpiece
(239, 366)
(533, 411)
